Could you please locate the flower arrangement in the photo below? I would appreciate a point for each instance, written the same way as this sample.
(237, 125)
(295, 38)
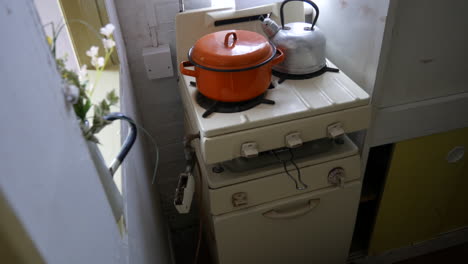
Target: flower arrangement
(79, 89)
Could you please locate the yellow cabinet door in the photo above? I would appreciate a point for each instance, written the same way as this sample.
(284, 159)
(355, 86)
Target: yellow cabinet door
(420, 190)
(457, 208)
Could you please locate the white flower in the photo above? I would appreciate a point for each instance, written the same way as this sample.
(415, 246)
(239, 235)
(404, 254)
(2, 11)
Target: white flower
(89, 88)
(72, 93)
(93, 51)
(107, 30)
(97, 62)
(83, 74)
(108, 43)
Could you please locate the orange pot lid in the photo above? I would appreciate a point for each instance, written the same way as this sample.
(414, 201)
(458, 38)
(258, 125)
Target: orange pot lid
(231, 50)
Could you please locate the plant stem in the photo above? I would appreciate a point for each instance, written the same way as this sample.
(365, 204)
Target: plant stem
(100, 70)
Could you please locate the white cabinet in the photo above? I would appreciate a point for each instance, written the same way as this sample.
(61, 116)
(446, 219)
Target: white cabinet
(410, 55)
(314, 227)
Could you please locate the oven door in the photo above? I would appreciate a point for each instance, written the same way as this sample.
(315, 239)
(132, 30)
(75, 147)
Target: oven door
(315, 227)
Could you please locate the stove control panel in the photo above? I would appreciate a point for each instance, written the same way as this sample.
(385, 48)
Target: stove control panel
(249, 150)
(293, 140)
(337, 176)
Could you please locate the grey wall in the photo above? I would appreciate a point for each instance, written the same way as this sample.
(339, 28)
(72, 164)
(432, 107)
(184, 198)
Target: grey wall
(46, 172)
(158, 101)
(147, 229)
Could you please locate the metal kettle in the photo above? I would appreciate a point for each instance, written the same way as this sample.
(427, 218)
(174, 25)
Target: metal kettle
(302, 43)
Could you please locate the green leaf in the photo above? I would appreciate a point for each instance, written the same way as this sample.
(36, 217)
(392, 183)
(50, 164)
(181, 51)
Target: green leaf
(105, 107)
(87, 106)
(80, 110)
(112, 98)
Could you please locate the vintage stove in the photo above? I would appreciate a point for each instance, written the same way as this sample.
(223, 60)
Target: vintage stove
(281, 180)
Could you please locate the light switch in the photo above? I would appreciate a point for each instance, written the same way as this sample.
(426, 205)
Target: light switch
(158, 62)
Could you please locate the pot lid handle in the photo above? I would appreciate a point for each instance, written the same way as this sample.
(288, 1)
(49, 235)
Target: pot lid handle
(234, 39)
(305, 1)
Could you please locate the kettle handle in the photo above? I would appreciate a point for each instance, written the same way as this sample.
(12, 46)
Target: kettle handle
(306, 1)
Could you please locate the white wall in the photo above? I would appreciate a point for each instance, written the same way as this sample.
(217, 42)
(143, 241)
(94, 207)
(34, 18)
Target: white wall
(354, 30)
(147, 229)
(47, 175)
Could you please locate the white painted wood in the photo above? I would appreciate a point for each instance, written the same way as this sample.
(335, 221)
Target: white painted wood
(397, 123)
(428, 55)
(390, 48)
(47, 175)
(416, 93)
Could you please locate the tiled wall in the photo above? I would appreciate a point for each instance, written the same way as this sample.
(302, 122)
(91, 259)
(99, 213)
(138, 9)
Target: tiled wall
(158, 101)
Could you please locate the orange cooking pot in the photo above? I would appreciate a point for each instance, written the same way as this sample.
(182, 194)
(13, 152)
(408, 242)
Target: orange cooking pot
(232, 65)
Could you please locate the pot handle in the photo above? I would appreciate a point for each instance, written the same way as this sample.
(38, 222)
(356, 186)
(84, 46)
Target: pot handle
(278, 58)
(226, 39)
(185, 71)
(306, 1)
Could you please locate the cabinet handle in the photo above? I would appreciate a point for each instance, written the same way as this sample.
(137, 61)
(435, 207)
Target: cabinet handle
(309, 206)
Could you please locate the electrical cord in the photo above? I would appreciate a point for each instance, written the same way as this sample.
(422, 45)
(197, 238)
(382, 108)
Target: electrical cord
(156, 148)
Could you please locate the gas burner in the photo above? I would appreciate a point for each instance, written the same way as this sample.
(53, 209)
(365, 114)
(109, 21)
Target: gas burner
(284, 76)
(212, 106)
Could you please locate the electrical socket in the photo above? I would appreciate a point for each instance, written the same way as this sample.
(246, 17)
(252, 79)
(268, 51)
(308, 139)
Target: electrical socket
(158, 62)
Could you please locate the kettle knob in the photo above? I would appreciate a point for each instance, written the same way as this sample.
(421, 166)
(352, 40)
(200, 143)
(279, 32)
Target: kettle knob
(270, 27)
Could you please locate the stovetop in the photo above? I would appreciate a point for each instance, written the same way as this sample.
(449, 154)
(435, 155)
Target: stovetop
(294, 99)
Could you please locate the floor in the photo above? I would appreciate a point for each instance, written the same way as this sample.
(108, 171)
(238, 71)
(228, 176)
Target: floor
(457, 254)
(452, 255)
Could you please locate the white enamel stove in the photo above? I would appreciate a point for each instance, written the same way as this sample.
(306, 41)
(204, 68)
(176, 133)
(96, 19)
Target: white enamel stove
(255, 210)
(302, 107)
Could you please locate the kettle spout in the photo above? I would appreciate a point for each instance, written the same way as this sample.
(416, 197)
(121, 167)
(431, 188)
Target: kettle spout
(270, 27)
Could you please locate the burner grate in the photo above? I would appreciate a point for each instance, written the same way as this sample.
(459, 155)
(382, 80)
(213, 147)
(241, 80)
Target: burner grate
(213, 106)
(285, 76)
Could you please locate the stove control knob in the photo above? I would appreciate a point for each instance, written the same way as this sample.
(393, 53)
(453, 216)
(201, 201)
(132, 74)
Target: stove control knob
(335, 130)
(337, 177)
(293, 140)
(249, 150)
(239, 199)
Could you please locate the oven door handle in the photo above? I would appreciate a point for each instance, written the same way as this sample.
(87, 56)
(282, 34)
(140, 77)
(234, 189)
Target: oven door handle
(285, 214)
